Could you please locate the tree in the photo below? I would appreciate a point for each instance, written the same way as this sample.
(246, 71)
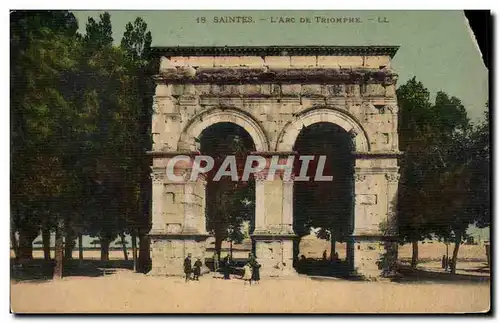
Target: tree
(43, 47)
(111, 91)
(136, 43)
(81, 110)
(438, 169)
(464, 186)
(416, 134)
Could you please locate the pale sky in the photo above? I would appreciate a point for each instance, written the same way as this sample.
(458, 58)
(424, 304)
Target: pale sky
(435, 46)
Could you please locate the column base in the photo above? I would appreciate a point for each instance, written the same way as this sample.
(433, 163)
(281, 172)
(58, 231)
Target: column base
(168, 252)
(275, 254)
(374, 260)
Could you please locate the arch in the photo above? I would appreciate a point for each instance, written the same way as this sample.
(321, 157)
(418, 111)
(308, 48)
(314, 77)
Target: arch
(290, 132)
(200, 122)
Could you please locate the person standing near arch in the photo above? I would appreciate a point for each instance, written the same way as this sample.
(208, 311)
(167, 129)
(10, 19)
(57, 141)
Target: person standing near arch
(255, 267)
(187, 267)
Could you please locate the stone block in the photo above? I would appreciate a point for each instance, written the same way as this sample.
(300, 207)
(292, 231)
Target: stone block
(377, 61)
(173, 227)
(390, 91)
(163, 90)
(303, 61)
(215, 89)
(276, 89)
(167, 255)
(250, 89)
(179, 60)
(166, 64)
(366, 259)
(200, 61)
(265, 89)
(229, 90)
(366, 199)
(373, 90)
(311, 89)
(352, 90)
(226, 61)
(251, 61)
(189, 89)
(291, 89)
(202, 89)
(340, 61)
(335, 90)
(277, 61)
(177, 89)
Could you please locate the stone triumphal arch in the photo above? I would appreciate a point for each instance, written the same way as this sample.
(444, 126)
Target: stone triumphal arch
(272, 93)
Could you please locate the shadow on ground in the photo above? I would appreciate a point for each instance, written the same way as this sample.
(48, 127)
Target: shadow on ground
(42, 270)
(323, 268)
(409, 275)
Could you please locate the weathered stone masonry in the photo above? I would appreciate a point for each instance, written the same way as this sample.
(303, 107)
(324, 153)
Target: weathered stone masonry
(273, 92)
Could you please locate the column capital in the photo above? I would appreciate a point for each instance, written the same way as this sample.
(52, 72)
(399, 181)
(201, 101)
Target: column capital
(158, 174)
(358, 177)
(289, 179)
(375, 170)
(392, 177)
(260, 177)
(377, 154)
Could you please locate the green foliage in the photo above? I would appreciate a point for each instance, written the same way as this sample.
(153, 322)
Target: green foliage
(42, 115)
(444, 186)
(136, 41)
(80, 125)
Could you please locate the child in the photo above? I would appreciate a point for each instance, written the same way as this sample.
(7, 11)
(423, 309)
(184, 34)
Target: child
(197, 269)
(247, 273)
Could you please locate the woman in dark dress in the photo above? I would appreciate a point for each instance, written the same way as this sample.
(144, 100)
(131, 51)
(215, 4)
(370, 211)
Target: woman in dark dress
(255, 267)
(227, 265)
(197, 269)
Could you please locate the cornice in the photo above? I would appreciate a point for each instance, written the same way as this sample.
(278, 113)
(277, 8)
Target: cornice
(375, 50)
(219, 75)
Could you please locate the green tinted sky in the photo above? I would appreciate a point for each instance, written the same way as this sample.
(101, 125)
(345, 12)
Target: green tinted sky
(436, 46)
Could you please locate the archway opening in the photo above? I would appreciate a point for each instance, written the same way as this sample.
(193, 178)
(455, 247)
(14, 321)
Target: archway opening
(323, 210)
(230, 204)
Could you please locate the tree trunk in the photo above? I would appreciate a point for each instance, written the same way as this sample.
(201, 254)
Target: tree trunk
(46, 243)
(13, 242)
(453, 264)
(414, 254)
(332, 247)
(124, 246)
(231, 248)
(80, 247)
(134, 249)
(25, 246)
(105, 242)
(218, 245)
(59, 253)
(69, 244)
(144, 261)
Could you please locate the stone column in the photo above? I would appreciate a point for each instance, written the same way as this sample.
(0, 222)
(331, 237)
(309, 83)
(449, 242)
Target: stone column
(273, 234)
(373, 234)
(391, 230)
(178, 217)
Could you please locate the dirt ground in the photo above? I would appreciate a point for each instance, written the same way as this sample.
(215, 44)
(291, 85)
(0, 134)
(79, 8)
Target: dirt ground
(126, 292)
